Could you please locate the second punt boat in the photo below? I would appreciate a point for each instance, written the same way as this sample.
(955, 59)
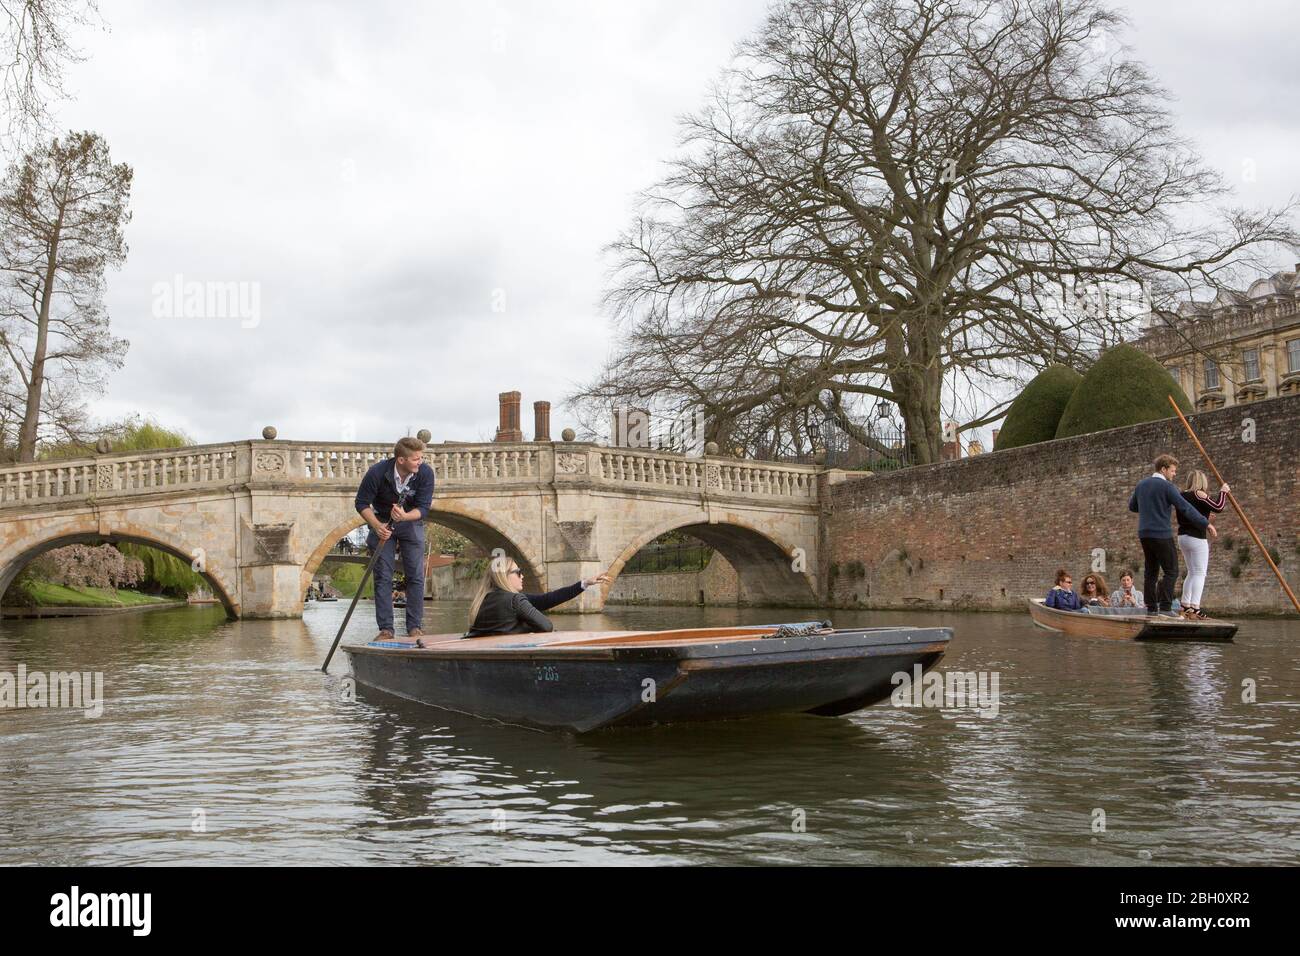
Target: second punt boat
(584, 680)
(1129, 627)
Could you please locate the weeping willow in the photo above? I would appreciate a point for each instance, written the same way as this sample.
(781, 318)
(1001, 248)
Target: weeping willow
(163, 571)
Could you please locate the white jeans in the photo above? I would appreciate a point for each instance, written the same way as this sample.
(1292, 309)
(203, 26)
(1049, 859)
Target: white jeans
(1196, 552)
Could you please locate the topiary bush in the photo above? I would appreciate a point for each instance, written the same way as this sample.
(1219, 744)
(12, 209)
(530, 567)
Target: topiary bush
(1035, 414)
(1124, 387)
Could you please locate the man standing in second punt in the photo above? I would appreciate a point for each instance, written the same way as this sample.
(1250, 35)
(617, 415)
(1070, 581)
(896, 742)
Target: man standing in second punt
(1152, 499)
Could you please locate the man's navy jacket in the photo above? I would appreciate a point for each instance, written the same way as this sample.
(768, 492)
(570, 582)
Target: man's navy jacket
(1152, 499)
(378, 490)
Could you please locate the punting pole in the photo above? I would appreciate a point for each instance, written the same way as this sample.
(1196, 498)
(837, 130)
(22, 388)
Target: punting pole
(1235, 506)
(325, 668)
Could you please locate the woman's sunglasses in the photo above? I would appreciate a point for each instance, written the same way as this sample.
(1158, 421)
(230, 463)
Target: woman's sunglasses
(515, 571)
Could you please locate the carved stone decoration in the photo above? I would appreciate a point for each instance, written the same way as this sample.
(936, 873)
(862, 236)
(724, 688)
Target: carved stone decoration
(268, 461)
(265, 544)
(571, 541)
(571, 463)
(713, 477)
(104, 477)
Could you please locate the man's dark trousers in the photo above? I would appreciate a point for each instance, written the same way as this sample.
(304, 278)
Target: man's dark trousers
(411, 536)
(1160, 554)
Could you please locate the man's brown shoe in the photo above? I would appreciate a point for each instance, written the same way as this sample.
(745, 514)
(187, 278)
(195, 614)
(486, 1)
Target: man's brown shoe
(384, 636)
(415, 632)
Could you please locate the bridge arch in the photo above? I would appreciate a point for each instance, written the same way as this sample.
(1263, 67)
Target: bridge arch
(470, 522)
(479, 527)
(93, 532)
(763, 564)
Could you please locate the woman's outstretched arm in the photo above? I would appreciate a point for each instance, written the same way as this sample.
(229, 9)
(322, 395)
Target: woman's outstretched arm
(544, 602)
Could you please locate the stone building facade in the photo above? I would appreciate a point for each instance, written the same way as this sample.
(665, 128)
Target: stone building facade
(1239, 348)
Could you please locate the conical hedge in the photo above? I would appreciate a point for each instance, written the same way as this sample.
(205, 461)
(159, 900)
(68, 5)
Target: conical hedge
(1036, 412)
(1125, 386)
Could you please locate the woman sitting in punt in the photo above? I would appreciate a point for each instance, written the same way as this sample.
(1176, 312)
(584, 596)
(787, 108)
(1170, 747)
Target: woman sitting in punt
(1062, 596)
(1126, 595)
(1094, 592)
(501, 607)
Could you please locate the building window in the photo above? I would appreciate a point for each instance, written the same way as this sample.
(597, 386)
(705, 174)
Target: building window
(1211, 374)
(1250, 360)
(1176, 374)
(1293, 356)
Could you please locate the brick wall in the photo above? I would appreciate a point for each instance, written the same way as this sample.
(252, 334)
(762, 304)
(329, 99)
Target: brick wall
(990, 531)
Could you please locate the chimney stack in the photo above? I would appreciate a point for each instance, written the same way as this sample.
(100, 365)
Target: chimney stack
(508, 429)
(541, 421)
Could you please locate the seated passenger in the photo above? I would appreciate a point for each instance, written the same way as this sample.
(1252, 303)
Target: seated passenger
(1126, 595)
(1094, 592)
(501, 607)
(1062, 597)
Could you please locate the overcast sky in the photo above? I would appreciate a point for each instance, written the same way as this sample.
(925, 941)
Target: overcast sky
(384, 174)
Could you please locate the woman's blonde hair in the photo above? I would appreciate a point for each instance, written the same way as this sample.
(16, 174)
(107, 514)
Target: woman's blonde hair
(1197, 481)
(496, 575)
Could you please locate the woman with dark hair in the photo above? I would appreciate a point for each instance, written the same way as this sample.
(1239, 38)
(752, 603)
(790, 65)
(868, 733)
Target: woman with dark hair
(1126, 595)
(1062, 597)
(1093, 591)
(501, 607)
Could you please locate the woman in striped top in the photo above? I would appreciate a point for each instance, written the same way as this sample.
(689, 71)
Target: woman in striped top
(1194, 544)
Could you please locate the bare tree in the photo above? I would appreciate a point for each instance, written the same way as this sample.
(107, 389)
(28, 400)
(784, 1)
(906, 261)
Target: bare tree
(885, 200)
(34, 49)
(62, 213)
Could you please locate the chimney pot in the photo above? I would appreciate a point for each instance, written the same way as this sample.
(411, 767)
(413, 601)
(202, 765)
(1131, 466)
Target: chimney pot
(541, 421)
(508, 428)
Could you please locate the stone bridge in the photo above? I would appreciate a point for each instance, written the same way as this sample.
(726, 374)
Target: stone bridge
(258, 517)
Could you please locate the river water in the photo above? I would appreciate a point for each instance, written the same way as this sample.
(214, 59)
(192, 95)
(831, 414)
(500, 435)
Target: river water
(1100, 753)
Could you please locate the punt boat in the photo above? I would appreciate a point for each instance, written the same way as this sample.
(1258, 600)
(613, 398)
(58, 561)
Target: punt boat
(1115, 624)
(587, 680)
